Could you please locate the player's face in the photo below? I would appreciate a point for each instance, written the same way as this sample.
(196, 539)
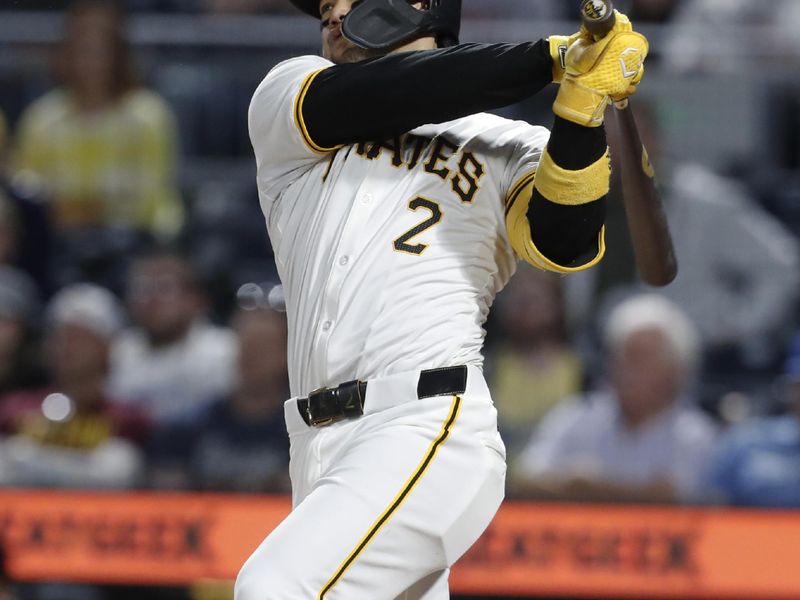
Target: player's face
(335, 47)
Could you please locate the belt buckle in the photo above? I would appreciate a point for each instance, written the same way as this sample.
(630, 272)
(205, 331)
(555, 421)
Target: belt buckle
(345, 402)
(318, 421)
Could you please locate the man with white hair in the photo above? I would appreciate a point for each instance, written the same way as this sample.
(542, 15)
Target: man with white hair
(639, 439)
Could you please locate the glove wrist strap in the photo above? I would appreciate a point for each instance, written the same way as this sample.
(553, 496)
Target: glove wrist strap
(580, 104)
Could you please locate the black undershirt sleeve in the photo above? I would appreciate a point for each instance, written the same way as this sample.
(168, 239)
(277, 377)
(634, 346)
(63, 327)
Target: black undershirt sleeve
(382, 97)
(567, 235)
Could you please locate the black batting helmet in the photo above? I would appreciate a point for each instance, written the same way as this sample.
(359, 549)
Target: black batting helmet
(383, 24)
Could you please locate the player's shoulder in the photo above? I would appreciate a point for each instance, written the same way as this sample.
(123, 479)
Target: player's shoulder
(282, 82)
(288, 71)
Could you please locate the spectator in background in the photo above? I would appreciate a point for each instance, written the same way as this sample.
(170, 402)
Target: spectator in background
(239, 443)
(640, 440)
(739, 267)
(534, 367)
(173, 362)
(69, 434)
(103, 146)
(19, 314)
(758, 463)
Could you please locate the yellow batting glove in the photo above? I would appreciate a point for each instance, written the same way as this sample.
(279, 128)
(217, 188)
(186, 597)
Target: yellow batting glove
(620, 100)
(558, 52)
(599, 71)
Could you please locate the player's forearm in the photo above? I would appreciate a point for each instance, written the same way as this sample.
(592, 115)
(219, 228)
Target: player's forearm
(567, 234)
(555, 218)
(387, 96)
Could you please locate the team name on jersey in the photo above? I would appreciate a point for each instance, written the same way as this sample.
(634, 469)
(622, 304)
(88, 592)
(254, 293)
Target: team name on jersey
(437, 156)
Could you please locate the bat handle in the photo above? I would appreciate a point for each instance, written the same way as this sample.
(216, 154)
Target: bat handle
(598, 17)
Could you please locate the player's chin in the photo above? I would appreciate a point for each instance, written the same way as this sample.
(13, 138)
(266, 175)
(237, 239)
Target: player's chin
(349, 53)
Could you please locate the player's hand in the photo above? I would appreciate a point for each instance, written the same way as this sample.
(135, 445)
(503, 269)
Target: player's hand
(618, 99)
(558, 52)
(599, 71)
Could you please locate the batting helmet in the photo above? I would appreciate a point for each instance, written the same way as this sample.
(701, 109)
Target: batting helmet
(383, 24)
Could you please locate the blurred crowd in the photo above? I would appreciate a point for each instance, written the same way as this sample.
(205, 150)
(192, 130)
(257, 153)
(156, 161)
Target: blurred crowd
(143, 338)
(128, 360)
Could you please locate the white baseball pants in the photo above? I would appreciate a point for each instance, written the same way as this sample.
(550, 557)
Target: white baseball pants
(383, 504)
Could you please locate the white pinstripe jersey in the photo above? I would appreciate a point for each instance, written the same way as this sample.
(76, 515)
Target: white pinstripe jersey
(391, 251)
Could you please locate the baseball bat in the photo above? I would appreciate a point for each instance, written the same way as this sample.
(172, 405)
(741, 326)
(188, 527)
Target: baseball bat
(649, 231)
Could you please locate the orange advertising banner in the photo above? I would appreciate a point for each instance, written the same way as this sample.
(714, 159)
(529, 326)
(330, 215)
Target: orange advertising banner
(635, 552)
(529, 550)
(145, 538)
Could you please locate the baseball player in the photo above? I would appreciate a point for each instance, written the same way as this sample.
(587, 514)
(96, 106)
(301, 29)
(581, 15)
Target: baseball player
(397, 210)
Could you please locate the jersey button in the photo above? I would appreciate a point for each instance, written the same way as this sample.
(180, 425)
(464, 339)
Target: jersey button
(344, 260)
(366, 198)
(326, 325)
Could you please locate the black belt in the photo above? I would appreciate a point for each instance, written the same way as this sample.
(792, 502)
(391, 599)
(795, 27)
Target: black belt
(346, 401)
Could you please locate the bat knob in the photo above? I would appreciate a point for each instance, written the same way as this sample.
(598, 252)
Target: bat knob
(597, 16)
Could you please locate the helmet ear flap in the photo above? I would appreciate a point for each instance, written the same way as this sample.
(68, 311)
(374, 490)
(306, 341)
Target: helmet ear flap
(383, 24)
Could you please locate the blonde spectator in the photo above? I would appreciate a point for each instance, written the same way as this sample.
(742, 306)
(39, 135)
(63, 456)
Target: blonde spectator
(534, 367)
(104, 147)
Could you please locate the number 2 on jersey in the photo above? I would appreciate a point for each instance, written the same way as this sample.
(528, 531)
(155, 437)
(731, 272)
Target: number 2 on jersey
(401, 244)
